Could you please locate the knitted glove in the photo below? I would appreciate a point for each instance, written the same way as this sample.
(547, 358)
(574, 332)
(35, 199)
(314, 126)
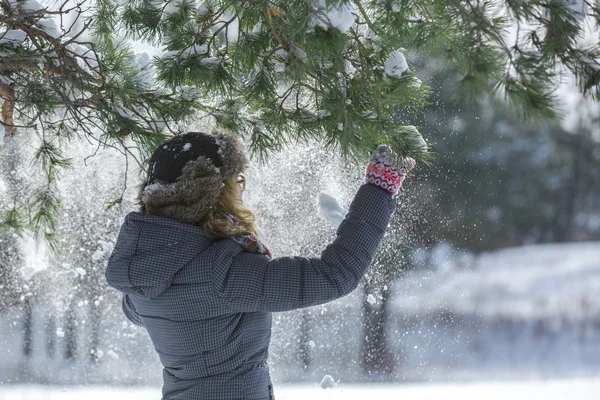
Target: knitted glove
(381, 171)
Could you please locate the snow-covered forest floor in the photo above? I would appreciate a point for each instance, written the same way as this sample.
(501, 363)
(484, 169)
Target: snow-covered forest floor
(547, 390)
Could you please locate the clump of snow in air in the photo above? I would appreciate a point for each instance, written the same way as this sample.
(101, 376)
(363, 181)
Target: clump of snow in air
(330, 210)
(70, 274)
(187, 146)
(311, 344)
(113, 354)
(60, 332)
(339, 16)
(35, 253)
(414, 135)
(105, 250)
(395, 65)
(371, 299)
(327, 382)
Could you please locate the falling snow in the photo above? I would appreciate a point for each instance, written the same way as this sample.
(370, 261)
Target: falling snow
(330, 210)
(371, 299)
(327, 382)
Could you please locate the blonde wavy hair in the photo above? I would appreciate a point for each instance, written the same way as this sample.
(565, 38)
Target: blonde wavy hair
(229, 217)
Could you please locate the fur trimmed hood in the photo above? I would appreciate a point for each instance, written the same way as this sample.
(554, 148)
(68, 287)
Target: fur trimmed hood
(196, 189)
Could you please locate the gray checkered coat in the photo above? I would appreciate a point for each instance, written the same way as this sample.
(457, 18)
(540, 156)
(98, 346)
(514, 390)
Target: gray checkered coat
(207, 304)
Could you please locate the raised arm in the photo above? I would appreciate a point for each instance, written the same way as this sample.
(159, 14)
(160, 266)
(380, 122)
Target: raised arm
(251, 282)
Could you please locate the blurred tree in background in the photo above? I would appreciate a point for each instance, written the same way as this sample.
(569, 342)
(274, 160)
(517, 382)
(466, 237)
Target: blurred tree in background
(498, 182)
(495, 183)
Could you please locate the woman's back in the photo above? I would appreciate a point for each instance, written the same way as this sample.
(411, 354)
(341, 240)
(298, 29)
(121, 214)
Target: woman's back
(208, 350)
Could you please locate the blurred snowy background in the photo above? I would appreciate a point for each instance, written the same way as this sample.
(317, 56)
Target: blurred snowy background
(490, 270)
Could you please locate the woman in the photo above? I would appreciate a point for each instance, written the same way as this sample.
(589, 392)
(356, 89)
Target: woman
(197, 278)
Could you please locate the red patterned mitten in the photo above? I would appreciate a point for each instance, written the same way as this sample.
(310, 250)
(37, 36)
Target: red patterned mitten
(382, 172)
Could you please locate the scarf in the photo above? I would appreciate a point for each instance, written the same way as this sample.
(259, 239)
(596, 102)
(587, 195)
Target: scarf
(252, 244)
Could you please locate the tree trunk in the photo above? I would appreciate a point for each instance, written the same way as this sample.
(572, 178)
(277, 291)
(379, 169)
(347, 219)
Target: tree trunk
(95, 325)
(571, 192)
(51, 337)
(27, 328)
(377, 359)
(304, 345)
(7, 93)
(71, 332)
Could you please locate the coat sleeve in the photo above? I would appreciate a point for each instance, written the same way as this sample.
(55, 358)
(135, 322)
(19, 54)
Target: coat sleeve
(251, 282)
(130, 311)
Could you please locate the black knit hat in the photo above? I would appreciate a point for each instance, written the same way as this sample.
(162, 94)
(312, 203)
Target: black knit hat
(169, 159)
(186, 174)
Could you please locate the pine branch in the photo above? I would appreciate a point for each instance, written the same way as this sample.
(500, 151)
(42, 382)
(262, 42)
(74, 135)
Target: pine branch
(278, 72)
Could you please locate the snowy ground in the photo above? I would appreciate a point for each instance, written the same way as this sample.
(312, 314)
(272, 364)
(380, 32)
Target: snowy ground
(549, 390)
(522, 313)
(535, 281)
